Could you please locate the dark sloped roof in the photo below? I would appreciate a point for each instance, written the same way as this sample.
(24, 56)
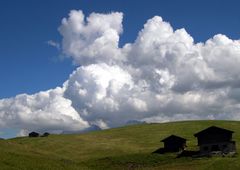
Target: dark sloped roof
(173, 137)
(213, 129)
(33, 133)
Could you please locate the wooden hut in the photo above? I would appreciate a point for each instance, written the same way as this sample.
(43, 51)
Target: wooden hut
(46, 134)
(33, 134)
(214, 139)
(174, 143)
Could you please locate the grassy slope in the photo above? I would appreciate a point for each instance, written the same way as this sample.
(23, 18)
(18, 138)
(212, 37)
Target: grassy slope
(121, 148)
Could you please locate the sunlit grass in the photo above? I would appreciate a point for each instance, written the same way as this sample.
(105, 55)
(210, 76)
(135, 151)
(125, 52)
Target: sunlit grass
(120, 148)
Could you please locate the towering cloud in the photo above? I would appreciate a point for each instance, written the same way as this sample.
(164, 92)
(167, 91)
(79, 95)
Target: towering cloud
(93, 41)
(162, 76)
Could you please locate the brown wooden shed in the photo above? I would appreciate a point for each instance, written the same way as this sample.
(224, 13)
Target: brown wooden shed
(174, 143)
(33, 134)
(215, 139)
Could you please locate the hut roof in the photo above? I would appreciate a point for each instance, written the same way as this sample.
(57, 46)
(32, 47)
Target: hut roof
(33, 133)
(172, 138)
(213, 129)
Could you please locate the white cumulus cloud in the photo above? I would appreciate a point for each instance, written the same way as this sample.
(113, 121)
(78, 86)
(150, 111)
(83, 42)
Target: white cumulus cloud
(162, 76)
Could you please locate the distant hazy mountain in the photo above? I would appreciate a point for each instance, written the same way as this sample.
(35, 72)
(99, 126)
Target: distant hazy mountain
(91, 128)
(135, 122)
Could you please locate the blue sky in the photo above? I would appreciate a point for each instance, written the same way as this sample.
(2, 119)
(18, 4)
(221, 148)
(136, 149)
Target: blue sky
(29, 65)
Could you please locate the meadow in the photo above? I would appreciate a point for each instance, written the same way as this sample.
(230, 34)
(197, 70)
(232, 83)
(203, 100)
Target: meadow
(128, 147)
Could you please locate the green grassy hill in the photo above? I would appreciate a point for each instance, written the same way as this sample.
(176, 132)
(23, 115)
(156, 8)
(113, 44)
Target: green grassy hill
(128, 147)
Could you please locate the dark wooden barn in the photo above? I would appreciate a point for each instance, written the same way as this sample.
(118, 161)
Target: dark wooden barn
(46, 134)
(33, 134)
(214, 139)
(174, 143)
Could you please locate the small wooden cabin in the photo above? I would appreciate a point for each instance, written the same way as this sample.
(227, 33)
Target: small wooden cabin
(33, 134)
(46, 134)
(174, 143)
(215, 139)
